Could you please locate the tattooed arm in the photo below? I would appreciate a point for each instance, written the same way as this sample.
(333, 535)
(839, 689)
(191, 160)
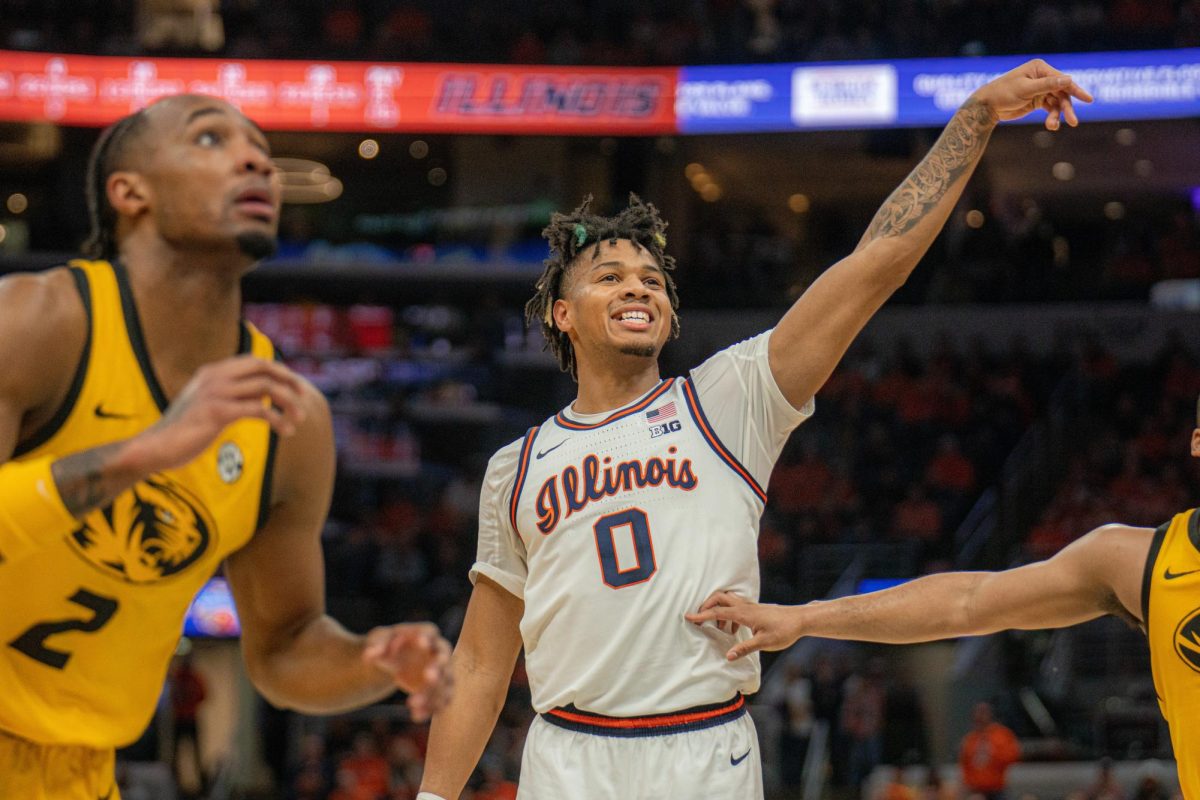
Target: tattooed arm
(43, 331)
(814, 334)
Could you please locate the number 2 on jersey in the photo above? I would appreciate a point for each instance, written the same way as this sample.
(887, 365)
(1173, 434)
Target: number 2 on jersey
(33, 641)
(631, 522)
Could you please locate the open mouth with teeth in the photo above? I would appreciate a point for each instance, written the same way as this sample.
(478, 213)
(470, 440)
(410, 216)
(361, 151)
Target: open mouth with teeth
(633, 320)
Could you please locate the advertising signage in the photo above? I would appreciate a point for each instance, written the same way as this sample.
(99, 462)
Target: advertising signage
(921, 92)
(603, 101)
(347, 96)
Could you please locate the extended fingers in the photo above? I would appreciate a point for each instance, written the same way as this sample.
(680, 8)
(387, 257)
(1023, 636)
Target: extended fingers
(742, 649)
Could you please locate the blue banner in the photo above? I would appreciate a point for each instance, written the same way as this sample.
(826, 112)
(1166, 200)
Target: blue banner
(921, 92)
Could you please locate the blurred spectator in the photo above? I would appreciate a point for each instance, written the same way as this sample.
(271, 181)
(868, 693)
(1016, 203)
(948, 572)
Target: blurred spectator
(363, 774)
(311, 777)
(895, 788)
(794, 707)
(862, 723)
(188, 691)
(986, 753)
(1106, 786)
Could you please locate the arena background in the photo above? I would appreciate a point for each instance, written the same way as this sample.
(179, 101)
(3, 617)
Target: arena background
(1035, 378)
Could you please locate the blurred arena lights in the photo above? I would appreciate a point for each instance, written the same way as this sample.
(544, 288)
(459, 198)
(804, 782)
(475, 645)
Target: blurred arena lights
(799, 203)
(306, 181)
(368, 149)
(17, 203)
(1063, 170)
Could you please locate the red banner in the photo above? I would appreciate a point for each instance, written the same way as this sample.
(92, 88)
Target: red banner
(347, 95)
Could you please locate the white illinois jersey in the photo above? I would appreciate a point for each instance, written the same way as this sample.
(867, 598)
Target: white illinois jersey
(612, 526)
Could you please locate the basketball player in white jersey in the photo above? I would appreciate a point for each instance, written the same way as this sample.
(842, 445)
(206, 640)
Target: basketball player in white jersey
(600, 528)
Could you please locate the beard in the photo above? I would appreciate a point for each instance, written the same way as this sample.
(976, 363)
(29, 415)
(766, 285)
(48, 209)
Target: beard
(256, 245)
(643, 350)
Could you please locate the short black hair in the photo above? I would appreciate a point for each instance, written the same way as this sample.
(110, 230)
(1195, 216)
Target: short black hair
(569, 235)
(108, 155)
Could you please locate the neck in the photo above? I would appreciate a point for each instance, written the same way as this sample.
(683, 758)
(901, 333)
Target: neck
(618, 384)
(189, 305)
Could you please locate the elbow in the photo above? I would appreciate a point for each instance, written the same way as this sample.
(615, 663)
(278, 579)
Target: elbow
(894, 260)
(262, 677)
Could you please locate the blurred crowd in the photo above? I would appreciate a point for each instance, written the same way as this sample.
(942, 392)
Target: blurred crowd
(614, 31)
(1132, 463)
(1006, 249)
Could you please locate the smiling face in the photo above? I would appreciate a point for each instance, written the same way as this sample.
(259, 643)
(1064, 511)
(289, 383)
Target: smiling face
(204, 177)
(615, 303)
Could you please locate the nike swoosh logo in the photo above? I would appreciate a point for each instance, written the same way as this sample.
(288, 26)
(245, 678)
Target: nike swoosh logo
(1170, 576)
(552, 449)
(102, 414)
(733, 762)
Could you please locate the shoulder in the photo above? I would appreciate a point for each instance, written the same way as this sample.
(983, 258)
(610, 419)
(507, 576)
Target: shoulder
(43, 326)
(503, 464)
(1116, 541)
(305, 460)
(40, 305)
(749, 349)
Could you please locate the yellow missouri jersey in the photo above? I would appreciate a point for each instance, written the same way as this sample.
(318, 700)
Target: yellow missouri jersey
(90, 621)
(1171, 603)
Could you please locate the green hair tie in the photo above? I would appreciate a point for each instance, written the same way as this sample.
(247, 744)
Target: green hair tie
(660, 240)
(581, 235)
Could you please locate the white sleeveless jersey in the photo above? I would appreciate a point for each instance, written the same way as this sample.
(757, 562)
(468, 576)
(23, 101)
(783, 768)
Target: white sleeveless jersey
(612, 526)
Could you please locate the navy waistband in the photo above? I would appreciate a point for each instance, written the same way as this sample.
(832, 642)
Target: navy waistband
(689, 719)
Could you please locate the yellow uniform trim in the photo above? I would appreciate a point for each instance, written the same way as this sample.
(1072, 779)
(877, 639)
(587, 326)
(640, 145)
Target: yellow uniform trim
(1171, 597)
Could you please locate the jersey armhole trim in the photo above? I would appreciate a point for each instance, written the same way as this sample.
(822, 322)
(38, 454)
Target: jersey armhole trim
(1156, 544)
(522, 470)
(55, 423)
(710, 436)
(268, 476)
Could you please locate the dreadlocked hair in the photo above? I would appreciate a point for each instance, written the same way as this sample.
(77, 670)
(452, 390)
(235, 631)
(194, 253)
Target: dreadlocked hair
(106, 158)
(570, 235)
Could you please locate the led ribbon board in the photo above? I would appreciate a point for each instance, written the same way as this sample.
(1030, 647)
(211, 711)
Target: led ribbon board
(471, 98)
(347, 96)
(921, 92)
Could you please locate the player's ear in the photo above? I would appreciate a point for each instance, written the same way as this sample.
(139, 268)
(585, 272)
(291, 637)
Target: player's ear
(1196, 443)
(127, 192)
(561, 312)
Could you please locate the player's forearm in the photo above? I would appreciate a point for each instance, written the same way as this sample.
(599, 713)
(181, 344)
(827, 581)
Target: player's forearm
(909, 220)
(42, 498)
(929, 608)
(458, 734)
(317, 670)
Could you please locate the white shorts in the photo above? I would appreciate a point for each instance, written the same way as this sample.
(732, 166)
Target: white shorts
(718, 763)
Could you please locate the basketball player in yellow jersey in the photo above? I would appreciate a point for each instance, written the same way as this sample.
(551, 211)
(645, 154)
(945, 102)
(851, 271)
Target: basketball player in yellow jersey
(147, 434)
(1149, 577)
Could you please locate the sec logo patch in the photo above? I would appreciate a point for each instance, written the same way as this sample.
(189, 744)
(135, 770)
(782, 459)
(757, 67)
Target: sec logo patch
(230, 462)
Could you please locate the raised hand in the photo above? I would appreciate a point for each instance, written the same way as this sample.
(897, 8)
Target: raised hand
(1033, 85)
(774, 627)
(418, 659)
(217, 395)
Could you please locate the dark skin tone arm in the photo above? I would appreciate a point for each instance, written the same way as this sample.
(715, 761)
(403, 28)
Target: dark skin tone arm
(43, 329)
(293, 649)
(298, 656)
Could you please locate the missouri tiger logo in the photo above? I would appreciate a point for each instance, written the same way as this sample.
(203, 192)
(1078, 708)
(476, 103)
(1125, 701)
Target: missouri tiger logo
(1187, 640)
(152, 532)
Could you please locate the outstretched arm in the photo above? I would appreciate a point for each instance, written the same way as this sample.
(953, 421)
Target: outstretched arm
(814, 334)
(1099, 574)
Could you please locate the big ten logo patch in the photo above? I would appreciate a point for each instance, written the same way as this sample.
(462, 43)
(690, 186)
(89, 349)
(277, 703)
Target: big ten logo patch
(663, 429)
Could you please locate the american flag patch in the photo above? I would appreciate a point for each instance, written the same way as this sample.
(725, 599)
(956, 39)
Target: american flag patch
(661, 413)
